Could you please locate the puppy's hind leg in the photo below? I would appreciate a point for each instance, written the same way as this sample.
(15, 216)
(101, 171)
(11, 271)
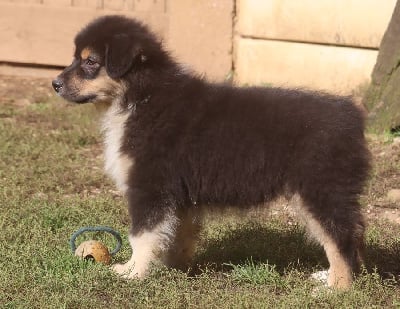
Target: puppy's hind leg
(337, 224)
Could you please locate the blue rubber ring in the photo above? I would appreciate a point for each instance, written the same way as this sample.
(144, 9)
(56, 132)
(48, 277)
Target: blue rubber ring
(106, 229)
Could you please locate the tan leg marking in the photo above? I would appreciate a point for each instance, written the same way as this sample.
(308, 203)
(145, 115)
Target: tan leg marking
(181, 252)
(340, 272)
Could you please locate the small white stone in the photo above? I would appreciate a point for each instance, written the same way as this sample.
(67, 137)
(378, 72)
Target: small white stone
(321, 276)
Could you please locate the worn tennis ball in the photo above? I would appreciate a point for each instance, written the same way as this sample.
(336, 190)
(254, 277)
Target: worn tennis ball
(93, 250)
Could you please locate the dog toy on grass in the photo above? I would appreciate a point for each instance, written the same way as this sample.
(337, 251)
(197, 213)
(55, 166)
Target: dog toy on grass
(93, 249)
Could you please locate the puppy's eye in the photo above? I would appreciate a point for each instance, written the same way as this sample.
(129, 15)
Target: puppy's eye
(90, 62)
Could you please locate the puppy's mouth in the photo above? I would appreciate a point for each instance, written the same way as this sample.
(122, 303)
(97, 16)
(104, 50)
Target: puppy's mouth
(80, 99)
(85, 99)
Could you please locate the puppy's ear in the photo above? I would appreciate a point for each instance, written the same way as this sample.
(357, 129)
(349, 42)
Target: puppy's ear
(120, 55)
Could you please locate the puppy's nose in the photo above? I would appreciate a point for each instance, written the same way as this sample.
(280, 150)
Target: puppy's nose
(57, 84)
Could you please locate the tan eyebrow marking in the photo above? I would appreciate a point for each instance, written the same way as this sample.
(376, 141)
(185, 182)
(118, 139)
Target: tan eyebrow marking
(85, 53)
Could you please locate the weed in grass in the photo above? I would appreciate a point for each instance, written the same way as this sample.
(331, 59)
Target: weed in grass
(254, 273)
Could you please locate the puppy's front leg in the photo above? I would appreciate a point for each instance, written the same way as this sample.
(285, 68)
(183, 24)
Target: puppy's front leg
(153, 230)
(147, 247)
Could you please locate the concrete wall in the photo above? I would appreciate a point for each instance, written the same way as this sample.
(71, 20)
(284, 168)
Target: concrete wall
(325, 44)
(42, 31)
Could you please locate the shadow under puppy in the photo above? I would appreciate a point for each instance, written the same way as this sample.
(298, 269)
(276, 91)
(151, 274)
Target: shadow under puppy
(176, 144)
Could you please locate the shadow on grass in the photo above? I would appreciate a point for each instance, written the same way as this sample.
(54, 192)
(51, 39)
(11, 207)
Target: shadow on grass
(286, 247)
(385, 259)
(262, 244)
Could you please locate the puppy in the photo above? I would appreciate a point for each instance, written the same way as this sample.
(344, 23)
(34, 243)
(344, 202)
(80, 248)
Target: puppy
(176, 144)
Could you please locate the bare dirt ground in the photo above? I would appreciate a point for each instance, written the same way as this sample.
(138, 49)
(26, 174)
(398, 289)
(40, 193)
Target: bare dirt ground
(381, 199)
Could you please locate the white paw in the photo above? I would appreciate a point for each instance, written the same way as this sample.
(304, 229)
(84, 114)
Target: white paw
(321, 276)
(126, 271)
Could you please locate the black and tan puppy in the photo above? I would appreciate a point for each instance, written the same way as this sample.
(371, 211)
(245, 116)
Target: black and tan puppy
(176, 144)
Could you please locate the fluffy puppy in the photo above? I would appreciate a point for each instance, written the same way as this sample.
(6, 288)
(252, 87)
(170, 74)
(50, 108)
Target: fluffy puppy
(176, 144)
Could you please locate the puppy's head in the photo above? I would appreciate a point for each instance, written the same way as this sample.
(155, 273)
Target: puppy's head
(107, 51)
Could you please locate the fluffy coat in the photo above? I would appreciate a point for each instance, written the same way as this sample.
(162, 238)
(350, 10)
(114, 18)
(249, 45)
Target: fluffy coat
(176, 144)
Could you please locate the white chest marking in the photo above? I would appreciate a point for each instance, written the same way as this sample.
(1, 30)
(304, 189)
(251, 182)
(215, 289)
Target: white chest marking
(117, 165)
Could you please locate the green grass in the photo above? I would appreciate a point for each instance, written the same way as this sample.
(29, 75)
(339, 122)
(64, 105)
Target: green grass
(51, 184)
